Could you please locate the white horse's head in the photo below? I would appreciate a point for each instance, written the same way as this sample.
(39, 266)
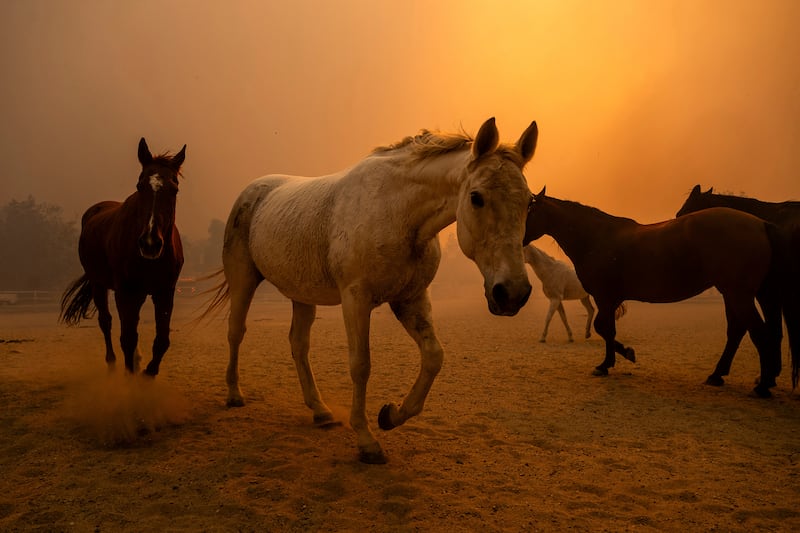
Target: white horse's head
(492, 207)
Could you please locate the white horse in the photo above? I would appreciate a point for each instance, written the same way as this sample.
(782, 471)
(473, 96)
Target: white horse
(369, 235)
(559, 282)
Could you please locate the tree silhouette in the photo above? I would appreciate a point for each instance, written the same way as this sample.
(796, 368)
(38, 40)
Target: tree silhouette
(40, 248)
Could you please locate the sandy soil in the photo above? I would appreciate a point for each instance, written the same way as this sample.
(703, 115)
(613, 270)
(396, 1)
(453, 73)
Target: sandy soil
(515, 436)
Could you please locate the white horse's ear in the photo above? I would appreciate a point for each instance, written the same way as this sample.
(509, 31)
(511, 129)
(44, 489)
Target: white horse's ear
(526, 145)
(145, 157)
(487, 139)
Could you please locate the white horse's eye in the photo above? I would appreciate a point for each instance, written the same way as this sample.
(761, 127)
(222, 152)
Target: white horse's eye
(476, 198)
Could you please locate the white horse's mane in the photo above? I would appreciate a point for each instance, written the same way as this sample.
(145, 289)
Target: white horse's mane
(427, 144)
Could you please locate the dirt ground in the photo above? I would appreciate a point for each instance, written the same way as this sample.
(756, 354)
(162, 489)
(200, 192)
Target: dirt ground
(515, 436)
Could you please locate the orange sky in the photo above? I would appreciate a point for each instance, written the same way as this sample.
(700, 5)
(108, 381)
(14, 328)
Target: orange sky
(636, 101)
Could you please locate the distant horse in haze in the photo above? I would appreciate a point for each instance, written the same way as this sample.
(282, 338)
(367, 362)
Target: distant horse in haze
(559, 282)
(369, 235)
(785, 215)
(134, 249)
(617, 259)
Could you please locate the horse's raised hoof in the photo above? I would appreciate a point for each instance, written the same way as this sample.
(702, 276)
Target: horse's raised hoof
(715, 381)
(543, 340)
(630, 355)
(600, 371)
(762, 392)
(372, 457)
(325, 421)
(385, 419)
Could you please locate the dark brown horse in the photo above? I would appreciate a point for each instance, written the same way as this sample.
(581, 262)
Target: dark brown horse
(786, 215)
(618, 259)
(134, 249)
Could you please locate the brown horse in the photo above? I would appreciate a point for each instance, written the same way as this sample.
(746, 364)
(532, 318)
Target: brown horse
(786, 215)
(618, 259)
(134, 249)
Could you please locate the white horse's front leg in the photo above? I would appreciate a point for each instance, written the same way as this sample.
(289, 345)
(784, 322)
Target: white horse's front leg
(303, 316)
(415, 315)
(356, 311)
(554, 303)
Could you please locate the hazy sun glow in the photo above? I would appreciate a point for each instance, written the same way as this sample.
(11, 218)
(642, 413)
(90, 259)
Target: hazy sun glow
(636, 101)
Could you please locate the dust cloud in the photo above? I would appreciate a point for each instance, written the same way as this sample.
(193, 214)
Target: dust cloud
(111, 408)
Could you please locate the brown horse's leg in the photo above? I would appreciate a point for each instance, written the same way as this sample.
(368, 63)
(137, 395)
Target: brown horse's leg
(587, 303)
(100, 298)
(162, 303)
(771, 308)
(415, 315)
(128, 306)
(606, 328)
(303, 316)
(735, 332)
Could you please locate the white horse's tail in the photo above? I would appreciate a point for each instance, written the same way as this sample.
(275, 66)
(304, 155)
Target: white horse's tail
(221, 293)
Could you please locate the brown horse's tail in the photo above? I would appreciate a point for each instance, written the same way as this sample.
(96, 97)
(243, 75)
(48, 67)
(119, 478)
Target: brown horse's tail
(620, 312)
(76, 303)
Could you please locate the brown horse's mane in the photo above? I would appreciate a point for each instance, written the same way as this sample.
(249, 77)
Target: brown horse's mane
(593, 210)
(164, 159)
(427, 144)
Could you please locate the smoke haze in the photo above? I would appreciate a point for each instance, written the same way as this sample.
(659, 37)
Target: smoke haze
(636, 101)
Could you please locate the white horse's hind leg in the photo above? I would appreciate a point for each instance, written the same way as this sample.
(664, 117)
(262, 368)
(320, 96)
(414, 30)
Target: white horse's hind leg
(563, 315)
(415, 315)
(303, 316)
(356, 311)
(587, 303)
(243, 279)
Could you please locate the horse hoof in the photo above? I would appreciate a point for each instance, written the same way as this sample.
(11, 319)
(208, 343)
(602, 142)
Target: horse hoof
(372, 457)
(325, 421)
(385, 419)
(235, 402)
(571, 340)
(600, 371)
(630, 355)
(715, 381)
(762, 392)
(768, 384)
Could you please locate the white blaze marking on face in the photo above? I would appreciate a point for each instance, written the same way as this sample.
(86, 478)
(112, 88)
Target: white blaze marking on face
(156, 184)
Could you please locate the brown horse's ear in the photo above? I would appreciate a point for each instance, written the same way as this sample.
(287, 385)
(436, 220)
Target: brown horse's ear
(526, 145)
(710, 190)
(695, 190)
(145, 157)
(177, 159)
(541, 194)
(486, 140)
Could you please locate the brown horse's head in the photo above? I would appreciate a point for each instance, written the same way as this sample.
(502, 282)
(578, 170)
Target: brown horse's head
(157, 190)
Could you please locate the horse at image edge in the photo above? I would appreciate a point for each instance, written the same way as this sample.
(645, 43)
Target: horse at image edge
(618, 259)
(786, 215)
